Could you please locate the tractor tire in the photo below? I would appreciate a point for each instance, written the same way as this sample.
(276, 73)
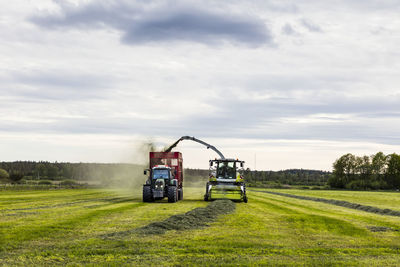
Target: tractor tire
(172, 194)
(180, 194)
(206, 196)
(147, 194)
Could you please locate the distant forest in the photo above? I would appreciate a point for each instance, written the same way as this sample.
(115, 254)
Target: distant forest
(286, 177)
(100, 173)
(106, 173)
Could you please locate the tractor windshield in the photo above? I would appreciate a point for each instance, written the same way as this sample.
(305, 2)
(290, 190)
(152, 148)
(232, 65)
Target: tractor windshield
(160, 174)
(226, 170)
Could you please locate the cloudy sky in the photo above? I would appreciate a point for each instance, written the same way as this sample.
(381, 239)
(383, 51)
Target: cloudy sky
(280, 84)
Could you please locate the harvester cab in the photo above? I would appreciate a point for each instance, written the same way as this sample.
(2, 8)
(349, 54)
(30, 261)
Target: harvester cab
(165, 177)
(226, 180)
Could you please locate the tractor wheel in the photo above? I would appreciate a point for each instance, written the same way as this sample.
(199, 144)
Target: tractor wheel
(172, 194)
(147, 194)
(206, 194)
(180, 194)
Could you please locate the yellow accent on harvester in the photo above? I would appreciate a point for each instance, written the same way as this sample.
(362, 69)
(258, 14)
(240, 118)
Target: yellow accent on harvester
(220, 194)
(238, 177)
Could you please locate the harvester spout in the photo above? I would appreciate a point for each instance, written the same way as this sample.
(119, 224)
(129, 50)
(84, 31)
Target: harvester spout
(195, 140)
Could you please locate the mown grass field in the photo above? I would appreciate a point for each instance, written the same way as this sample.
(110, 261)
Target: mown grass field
(75, 227)
(384, 200)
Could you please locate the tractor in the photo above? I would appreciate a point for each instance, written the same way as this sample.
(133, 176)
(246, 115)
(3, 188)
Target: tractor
(165, 177)
(226, 180)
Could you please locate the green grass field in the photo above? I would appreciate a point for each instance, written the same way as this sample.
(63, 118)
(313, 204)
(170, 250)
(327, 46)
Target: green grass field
(70, 227)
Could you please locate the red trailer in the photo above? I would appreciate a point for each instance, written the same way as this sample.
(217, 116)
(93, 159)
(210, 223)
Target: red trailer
(165, 177)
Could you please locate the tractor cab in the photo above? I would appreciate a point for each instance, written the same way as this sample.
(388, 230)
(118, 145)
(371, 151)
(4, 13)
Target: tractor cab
(225, 170)
(161, 172)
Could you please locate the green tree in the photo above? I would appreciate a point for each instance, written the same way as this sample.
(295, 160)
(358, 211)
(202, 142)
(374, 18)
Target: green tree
(392, 175)
(16, 176)
(52, 171)
(378, 165)
(363, 167)
(40, 171)
(3, 174)
(344, 170)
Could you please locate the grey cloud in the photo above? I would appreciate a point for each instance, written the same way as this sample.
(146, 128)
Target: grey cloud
(288, 29)
(143, 24)
(57, 85)
(311, 26)
(62, 79)
(270, 119)
(277, 119)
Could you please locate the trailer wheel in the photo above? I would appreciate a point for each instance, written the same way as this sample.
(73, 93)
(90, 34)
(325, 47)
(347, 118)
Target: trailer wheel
(147, 194)
(172, 194)
(180, 194)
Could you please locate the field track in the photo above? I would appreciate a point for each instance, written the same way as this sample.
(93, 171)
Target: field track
(60, 227)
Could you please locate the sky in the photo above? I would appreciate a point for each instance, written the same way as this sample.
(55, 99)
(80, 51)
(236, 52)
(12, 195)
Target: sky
(279, 84)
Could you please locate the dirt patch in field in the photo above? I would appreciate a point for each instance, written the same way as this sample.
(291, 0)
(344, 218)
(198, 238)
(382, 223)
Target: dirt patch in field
(341, 203)
(196, 218)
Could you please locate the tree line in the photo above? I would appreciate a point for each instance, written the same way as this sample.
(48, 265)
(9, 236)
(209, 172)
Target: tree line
(287, 177)
(101, 172)
(275, 178)
(44, 170)
(378, 171)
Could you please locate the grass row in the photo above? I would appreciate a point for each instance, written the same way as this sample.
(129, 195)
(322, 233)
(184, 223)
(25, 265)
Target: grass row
(380, 199)
(341, 203)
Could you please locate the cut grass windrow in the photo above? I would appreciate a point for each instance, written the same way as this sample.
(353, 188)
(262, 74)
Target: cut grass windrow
(196, 218)
(340, 203)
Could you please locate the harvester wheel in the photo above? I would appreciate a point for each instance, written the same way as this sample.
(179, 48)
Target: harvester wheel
(147, 195)
(206, 194)
(172, 194)
(180, 194)
(245, 194)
